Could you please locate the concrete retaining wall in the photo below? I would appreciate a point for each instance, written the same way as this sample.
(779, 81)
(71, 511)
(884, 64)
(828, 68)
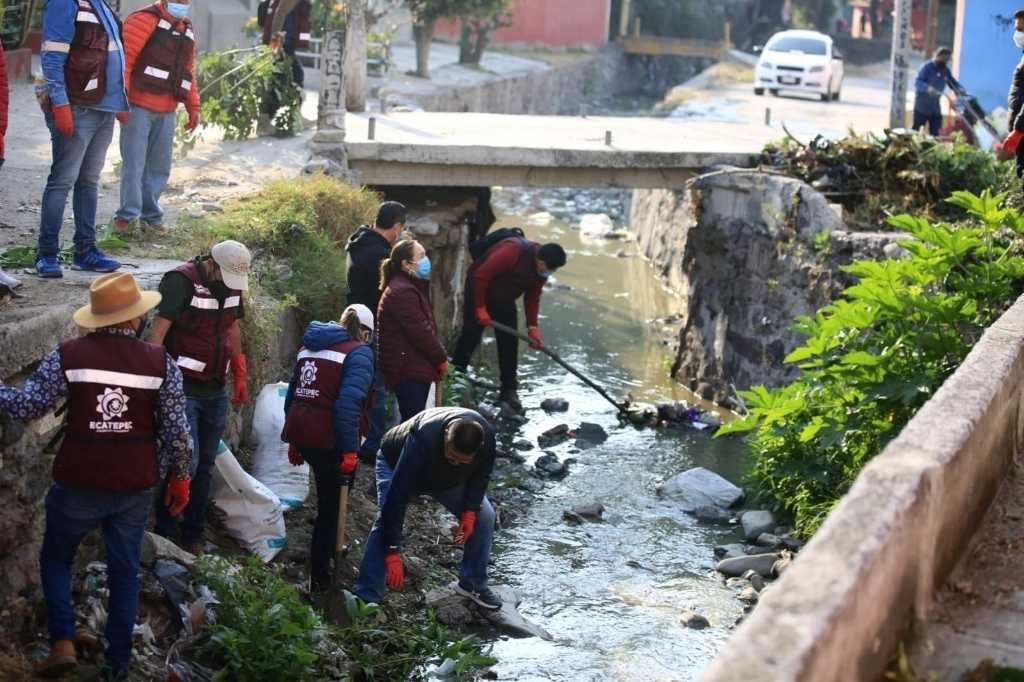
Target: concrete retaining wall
(866, 579)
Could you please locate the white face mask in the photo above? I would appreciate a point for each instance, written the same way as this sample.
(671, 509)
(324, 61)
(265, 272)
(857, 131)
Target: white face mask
(1018, 39)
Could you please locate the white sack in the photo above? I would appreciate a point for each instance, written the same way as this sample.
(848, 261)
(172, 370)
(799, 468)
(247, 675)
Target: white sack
(252, 512)
(270, 462)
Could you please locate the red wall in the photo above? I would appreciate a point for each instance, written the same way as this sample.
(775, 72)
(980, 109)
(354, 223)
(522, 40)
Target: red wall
(556, 23)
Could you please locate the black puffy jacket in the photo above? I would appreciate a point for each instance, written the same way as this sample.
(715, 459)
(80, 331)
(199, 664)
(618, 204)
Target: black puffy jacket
(1015, 102)
(366, 249)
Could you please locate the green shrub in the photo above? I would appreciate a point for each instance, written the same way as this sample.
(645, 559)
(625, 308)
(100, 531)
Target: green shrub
(874, 357)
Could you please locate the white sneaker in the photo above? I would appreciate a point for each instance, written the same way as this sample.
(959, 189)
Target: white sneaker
(9, 281)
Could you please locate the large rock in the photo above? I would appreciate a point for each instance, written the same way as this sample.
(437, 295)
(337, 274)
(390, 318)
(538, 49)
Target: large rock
(455, 607)
(700, 488)
(757, 522)
(735, 567)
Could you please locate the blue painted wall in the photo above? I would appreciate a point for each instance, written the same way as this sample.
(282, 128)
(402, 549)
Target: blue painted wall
(985, 50)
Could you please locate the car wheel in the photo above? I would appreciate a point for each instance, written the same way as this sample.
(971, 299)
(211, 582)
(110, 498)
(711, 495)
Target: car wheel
(835, 96)
(774, 92)
(827, 95)
(759, 91)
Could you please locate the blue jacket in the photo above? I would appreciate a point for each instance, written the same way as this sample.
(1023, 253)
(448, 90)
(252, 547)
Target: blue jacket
(415, 451)
(929, 76)
(355, 385)
(58, 31)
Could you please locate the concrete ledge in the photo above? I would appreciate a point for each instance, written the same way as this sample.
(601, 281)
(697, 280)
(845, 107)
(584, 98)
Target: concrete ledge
(28, 334)
(868, 575)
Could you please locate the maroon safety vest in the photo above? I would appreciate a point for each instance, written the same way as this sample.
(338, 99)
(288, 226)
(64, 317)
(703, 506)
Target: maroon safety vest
(303, 23)
(164, 65)
(113, 388)
(310, 418)
(85, 71)
(200, 342)
(510, 285)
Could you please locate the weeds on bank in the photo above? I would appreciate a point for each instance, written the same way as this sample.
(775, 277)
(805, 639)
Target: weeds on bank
(25, 256)
(873, 358)
(262, 624)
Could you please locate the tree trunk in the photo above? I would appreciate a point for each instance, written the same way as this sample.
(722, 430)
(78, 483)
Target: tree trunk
(355, 55)
(464, 37)
(479, 45)
(423, 34)
(873, 17)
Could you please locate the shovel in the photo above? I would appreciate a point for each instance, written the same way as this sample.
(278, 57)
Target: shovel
(337, 609)
(621, 407)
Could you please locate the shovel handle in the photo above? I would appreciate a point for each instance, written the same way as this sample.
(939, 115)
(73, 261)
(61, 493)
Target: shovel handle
(339, 539)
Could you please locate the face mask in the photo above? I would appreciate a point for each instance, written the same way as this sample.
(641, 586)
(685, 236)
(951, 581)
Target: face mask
(177, 10)
(423, 269)
(545, 274)
(1018, 39)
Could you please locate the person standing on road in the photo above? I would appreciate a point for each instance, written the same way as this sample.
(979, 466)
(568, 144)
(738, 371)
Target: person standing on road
(512, 268)
(447, 453)
(1015, 100)
(5, 279)
(409, 350)
(126, 429)
(83, 64)
(324, 408)
(366, 249)
(197, 321)
(932, 78)
(160, 52)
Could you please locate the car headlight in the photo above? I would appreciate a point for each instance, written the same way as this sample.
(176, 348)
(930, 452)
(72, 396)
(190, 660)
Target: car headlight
(766, 65)
(816, 69)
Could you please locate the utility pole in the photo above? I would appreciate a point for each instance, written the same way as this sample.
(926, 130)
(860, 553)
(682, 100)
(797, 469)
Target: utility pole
(932, 31)
(355, 55)
(900, 64)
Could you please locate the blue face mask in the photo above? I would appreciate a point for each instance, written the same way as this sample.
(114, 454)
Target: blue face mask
(177, 10)
(423, 268)
(544, 274)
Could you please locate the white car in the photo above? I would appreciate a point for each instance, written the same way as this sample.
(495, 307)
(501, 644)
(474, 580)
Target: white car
(801, 61)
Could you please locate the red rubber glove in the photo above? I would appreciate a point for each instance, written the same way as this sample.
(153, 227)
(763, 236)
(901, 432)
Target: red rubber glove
(442, 369)
(62, 120)
(294, 458)
(193, 121)
(534, 335)
(122, 117)
(241, 377)
(396, 573)
(1, 146)
(348, 463)
(466, 523)
(1011, 141)
(176, 498)
(482, 318)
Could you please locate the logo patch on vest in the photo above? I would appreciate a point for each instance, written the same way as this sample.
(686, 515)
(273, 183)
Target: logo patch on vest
(307, 375)
(112, 404)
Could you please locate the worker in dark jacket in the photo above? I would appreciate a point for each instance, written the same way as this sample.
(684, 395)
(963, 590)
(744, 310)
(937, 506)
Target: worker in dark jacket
(1015, 102)
(932, 78)
(447, 453)
(126, 429)
(324, 408)
(366, 249)
(512, 268)
(409, 349)
(289, 21)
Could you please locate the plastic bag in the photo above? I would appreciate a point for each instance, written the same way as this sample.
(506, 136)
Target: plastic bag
(252, 512)
(270, 462)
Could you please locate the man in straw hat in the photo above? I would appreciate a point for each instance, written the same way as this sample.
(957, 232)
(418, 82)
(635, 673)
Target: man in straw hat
(126, 429)
(197, 321)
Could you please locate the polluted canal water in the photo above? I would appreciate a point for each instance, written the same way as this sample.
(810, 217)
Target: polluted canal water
(610, 593)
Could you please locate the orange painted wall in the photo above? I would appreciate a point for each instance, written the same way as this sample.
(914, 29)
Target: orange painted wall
(555, 23)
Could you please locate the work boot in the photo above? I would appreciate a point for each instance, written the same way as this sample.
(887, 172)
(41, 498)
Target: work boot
(510, 397)
(194, 548)
(61, 660)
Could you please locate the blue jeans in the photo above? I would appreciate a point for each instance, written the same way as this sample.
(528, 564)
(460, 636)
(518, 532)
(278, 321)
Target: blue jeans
(934, 122)
(206, 420)
(146, 150)
(71, 513)
(77, 162)
(476, 553)
(411, 397)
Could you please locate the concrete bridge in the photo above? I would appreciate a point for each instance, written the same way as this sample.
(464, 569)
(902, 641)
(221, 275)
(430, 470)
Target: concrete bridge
(483, 150)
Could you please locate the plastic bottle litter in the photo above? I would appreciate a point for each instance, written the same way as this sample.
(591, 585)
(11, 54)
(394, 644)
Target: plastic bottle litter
(42, 93)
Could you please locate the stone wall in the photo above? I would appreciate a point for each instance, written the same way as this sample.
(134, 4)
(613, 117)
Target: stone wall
(748, 250)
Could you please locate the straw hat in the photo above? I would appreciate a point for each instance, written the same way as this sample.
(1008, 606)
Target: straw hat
(115, 298)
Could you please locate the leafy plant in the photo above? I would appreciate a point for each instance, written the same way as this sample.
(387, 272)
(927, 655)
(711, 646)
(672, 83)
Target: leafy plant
(25, 256)
(874, 357)
(456, 388)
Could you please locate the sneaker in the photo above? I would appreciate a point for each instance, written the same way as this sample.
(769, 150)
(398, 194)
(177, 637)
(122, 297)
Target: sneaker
(12, 282)
(93, 261)
(61, 660)
(121, 225)
(484, 596)
(48, 266)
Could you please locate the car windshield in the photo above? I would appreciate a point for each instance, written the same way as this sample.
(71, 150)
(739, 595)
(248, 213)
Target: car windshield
(794, 44)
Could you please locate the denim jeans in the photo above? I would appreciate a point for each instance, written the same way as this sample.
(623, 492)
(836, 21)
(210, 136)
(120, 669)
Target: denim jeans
(411, 397)
(146, 149)
(77, 162)
(475, 556)
(206, 420)
(71, 513)
(378, 413)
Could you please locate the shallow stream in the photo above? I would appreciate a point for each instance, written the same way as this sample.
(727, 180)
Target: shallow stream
(611, 594)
